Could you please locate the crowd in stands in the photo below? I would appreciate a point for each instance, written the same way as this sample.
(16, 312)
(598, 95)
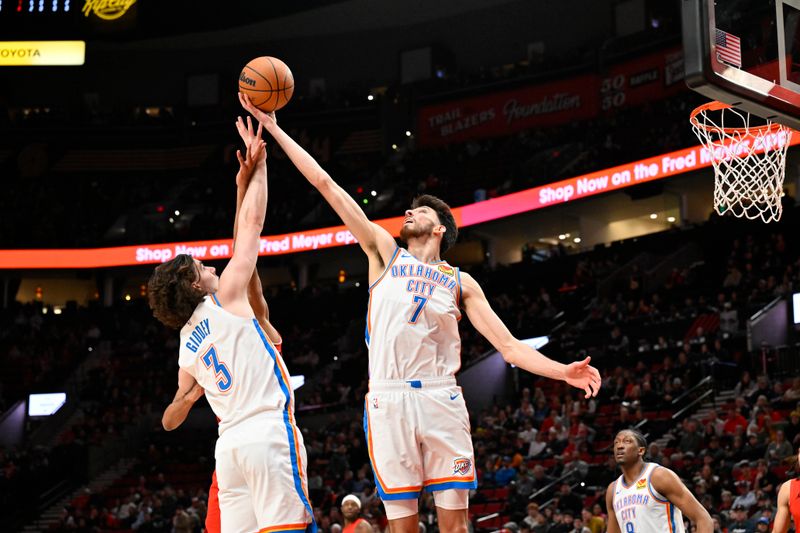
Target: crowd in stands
(549, 437)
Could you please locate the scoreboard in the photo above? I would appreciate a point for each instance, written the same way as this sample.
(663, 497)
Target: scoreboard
(67, 19)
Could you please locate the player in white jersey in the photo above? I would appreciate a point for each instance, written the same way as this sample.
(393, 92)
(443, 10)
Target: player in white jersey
(648, 498)
(177, 411)
(260, 454)
(416, 421)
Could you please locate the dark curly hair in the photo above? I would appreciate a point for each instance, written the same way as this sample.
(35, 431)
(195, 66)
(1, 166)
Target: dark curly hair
(170, 293)
(445, 218)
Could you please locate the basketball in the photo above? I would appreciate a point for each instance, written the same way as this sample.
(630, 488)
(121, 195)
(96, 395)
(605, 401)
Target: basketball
(268, 82)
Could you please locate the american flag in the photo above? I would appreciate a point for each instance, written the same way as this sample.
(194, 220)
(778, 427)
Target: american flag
(729, 48)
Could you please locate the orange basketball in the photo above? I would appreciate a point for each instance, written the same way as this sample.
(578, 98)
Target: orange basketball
(268, 82)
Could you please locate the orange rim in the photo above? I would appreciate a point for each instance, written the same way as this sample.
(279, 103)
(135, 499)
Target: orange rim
(720, 106)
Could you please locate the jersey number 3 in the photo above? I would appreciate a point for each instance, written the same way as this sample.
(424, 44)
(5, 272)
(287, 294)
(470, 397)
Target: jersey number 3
(419, 303)
(221, 371)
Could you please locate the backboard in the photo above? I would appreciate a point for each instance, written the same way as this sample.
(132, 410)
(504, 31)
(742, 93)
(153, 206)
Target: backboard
(745, 53)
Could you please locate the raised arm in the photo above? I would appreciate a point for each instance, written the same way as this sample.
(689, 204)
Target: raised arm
(376, 242)
(667, 483)
(255, 293)
(782, 517)
(189, 391)
(578, 374)
(235, 278)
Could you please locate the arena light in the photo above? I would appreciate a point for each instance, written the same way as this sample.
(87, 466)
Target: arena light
(297, 381)
(46, 404)
(670, 219)
(653, 216)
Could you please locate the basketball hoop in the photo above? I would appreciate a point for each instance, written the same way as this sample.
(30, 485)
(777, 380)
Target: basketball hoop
(749, 160)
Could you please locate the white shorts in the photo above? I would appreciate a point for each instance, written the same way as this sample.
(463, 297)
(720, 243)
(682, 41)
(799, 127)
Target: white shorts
(263, 485)
(418, 437)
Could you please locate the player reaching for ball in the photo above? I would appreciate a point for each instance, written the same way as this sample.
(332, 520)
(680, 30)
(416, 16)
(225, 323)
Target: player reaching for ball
(175, 414)
(260, 456)
(415, 418)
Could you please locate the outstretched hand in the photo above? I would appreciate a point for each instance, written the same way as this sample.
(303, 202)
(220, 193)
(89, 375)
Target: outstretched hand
(265, 119)
(255, 151)
(582, 376)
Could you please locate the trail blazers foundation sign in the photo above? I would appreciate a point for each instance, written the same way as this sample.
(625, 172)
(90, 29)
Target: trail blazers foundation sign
(107, 9)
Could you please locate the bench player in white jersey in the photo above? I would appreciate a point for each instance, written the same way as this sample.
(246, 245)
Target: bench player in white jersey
(416, 422)
(260, 456)
(648, 498)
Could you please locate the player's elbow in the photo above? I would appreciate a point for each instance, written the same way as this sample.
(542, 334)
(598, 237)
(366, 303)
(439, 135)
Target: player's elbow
(510, 351)
(322, 181)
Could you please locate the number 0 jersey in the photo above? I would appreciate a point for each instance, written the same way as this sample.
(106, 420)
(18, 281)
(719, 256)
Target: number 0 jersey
(412, 320)
(641, 509)
(245, 379)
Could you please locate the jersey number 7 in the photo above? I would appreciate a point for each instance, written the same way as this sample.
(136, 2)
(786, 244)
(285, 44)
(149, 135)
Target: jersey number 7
(221, 371)
(419, 303)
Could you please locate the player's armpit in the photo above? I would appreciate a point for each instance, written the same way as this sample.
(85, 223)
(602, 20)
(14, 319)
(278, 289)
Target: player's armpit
(668, 484)
(782, 516)
(613, 526)
(189, 391)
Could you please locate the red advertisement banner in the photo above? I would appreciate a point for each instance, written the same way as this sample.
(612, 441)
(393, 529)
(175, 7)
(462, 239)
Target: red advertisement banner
(503, 112)
(647, 78)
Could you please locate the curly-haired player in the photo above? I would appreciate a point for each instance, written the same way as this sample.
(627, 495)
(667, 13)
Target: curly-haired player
(224, 350)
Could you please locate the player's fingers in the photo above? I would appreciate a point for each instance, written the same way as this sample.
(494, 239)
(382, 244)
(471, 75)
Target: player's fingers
(260, 129)
(239, 157)
(249, 126)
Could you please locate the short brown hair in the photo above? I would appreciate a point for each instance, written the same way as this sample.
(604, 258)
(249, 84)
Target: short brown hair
(170, 293)
(445, 218)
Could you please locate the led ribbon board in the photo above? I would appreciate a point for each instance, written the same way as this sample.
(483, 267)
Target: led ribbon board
(560, 192)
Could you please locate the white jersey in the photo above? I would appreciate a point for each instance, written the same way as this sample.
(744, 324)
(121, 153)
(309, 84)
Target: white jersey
(412, 320)
(245, 379)
(641, 509)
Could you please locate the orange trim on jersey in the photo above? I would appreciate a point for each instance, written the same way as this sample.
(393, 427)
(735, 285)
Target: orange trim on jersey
(284, 527)
(391, 262)
(369, 314)
(458, 286)
(669, 517)
(285, 373)
(386, 489)
(448, 479)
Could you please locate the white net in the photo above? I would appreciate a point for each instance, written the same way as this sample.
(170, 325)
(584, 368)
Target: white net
(749, 160)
